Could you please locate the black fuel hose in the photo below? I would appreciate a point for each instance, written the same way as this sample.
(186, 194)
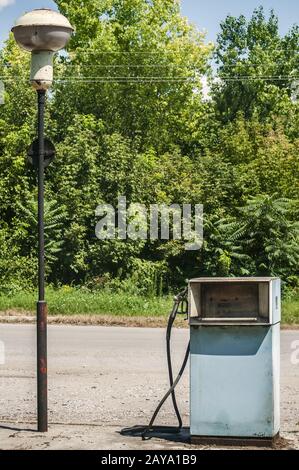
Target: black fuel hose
(173, 384)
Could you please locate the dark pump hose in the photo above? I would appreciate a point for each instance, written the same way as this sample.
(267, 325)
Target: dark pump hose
(178, 299)
(171, 320)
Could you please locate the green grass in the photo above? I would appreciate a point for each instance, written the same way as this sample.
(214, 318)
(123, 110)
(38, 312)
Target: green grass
(72, 301)
(290, 310)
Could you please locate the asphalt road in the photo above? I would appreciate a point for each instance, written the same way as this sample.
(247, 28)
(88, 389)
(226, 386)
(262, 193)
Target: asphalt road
(105, 379)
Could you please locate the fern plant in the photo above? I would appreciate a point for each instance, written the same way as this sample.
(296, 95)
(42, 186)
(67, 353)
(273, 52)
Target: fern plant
(264, 237)
(54, 218)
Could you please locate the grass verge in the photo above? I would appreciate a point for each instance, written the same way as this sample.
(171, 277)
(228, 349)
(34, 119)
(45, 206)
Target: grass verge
(71, 305)
(290, 310)
(71, 301)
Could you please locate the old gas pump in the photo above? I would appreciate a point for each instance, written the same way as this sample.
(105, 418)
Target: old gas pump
(234, 360)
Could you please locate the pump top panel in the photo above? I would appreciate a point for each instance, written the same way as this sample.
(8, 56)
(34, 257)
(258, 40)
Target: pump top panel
(239, 301)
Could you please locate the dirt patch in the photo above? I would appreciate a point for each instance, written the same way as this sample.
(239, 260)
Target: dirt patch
(12, 316)
(282, 444)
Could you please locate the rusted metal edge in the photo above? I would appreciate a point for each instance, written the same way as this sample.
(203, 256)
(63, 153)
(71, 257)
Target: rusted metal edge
(235, 441)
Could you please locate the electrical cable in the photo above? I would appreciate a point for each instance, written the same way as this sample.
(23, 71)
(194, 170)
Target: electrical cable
(178, 300)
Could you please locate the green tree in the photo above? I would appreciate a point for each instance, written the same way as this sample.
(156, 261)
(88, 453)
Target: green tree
(127, 117)
(142, 61)
(255, 67)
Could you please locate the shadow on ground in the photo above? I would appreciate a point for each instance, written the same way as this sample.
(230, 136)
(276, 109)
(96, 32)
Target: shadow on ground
(182, 436)
(167, 433)
(13, 428)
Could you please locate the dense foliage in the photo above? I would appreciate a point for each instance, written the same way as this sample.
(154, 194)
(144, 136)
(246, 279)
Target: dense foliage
(128, 117)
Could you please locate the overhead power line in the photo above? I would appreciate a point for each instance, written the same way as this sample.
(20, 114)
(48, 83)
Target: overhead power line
(92, 79)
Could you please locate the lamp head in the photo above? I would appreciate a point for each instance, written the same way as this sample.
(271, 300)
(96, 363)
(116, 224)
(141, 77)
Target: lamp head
(42, 30)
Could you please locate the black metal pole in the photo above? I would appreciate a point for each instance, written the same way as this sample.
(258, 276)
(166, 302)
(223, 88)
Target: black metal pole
(42, 385)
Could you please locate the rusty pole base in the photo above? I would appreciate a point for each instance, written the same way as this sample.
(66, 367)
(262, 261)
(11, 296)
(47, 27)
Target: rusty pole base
(235, 441)
(42, 382)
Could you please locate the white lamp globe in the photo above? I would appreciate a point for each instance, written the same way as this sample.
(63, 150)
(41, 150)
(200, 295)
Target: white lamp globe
(42, 32)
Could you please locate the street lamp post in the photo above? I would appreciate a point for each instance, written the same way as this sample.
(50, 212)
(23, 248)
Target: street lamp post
(42, 32)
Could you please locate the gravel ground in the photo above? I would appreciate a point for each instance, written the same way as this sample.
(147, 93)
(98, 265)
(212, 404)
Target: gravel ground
(105, 379)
